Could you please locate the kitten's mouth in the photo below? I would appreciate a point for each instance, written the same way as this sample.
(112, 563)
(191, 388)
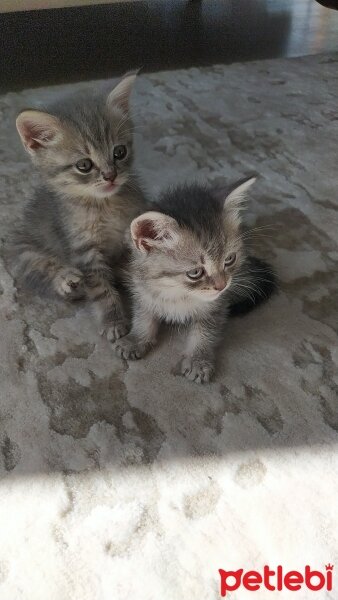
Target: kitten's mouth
(110, 186)
(210, 295)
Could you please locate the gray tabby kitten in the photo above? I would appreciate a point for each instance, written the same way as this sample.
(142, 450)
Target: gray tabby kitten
(190, 265)
(74, 227)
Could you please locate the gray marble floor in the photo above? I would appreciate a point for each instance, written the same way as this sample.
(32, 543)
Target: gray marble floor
(109, 468)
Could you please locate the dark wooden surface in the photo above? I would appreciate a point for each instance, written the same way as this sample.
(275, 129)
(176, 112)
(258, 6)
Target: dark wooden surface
(59, 45)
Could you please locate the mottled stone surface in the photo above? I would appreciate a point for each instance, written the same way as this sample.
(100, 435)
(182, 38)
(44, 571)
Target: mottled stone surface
(122, 481)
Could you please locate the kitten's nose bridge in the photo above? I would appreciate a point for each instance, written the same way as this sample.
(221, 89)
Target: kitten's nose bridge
(109, 174)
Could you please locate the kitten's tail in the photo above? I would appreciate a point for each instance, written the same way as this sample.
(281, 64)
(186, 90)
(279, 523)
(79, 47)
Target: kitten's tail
(254, 284)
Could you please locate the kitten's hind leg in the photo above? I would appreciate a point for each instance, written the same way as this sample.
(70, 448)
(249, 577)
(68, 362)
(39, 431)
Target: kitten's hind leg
(142, 337)
(41, 272)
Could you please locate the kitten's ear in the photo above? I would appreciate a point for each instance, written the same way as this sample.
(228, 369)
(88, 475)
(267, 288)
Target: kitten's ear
(38, 129)
(154, 230)
(234, 201)
(120, 95)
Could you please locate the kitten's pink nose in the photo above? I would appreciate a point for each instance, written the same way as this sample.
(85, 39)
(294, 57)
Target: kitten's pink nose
(108, 175)
(219, 282)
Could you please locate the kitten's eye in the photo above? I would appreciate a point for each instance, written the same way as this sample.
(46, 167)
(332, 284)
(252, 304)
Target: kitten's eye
(120, 152)
(195, 273)
(230, 260)
(84, 165)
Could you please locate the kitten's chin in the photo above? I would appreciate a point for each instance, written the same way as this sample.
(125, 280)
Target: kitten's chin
(106, 191)
(205, 296)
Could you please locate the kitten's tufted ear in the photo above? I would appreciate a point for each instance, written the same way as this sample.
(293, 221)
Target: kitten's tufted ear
(120, 95)
(38, 129)
(154, 230)
(235, 199)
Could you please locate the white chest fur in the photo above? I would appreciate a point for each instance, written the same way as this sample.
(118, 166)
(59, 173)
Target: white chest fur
(169, 306)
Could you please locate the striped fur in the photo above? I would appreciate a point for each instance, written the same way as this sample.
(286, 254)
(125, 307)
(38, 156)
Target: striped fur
(73, 230)
(192, 230)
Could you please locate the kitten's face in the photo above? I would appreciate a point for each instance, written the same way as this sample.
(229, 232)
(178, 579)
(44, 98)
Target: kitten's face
(203, 271)
(87, 154)
(200, 263)
(194, 267)
(79, 167)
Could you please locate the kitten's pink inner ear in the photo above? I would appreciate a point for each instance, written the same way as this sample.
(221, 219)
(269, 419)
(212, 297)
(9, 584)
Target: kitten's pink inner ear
(154, 229)
(141, 231)
(37, 129)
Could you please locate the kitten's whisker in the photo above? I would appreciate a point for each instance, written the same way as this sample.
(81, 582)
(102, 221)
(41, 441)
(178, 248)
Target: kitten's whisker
(254, 289)
(131, 131)
(131, 186)
(264, 227)
(251, 286)
(251, 234)
(258, 234)
(133, 127)
(260, 228)
(123, 121)
(244, 287)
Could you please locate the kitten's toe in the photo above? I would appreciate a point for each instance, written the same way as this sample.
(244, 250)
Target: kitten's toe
(115, 331)
(194, 369)
(68, 284)
(130, 348)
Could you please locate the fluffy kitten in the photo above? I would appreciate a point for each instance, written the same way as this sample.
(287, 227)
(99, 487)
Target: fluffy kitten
(189, 265)
(74, 227)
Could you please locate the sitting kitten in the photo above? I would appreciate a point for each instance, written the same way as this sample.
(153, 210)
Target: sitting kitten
(189, 265)
(74, 227)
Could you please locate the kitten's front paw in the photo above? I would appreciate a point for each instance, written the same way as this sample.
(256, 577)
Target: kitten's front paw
(68, 283)
(194, 369)
(131, 348)
(115, 331)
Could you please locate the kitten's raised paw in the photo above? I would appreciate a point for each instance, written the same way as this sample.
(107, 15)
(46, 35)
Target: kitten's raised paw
(130, 348)
(194, 369)
(68, 283)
